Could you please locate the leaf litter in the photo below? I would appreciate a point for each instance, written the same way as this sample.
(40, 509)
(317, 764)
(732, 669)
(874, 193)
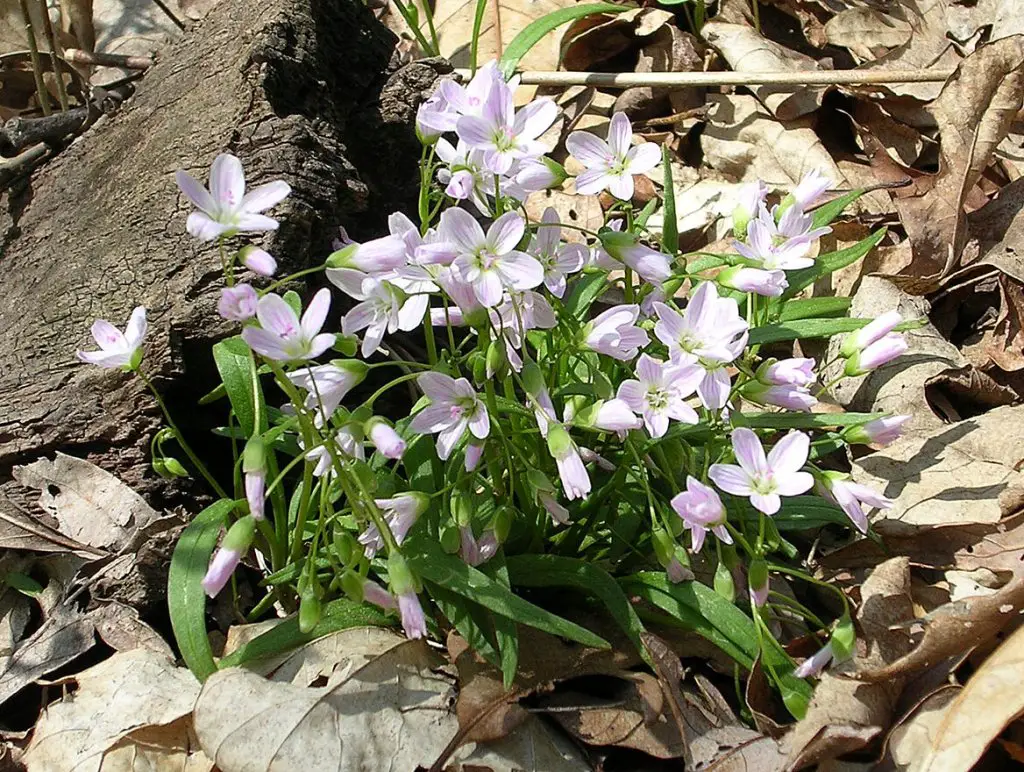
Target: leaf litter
(934, 684)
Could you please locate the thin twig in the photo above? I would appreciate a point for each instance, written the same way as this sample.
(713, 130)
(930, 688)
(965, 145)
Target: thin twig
(51, 39)
(78, 56)
(679, 79)
(37, 64)
(170, 14)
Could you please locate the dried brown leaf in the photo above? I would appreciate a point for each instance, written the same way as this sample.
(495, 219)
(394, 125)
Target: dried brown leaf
(961, 392)
(595, 39)
(974, 112)
(954, 629)
(133, 705)
(958, 474)
(867, 32)
(991, 699)
(20, 531)
(91, 505)
(746, 50)
(121, 629)
(845, 715)
(911, 737)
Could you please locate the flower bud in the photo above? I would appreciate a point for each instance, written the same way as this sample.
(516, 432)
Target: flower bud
(462, 506)
(450, 538)
(769, 284)
(254, 457)
(160, 467)
(400, 576)
(723, 582)
(873, 331)
(881, 431)
(559, 441)
(879, 353)
(757, 578)
(533, 379)
(346, 547)
(309, 609)
(384, 438)
(496, 360)
(501, 524)
(352, 585)
(258, 260)
(174, 467)
(843, 639)
(238, 303)
(236, 543)
(377, 595)
(750, 198)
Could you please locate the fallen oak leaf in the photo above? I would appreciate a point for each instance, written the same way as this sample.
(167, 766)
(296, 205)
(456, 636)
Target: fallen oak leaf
(955, 628)
(991, 699)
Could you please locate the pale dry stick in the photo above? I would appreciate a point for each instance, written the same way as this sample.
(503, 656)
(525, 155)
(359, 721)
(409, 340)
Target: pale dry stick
(51, 38)
(37, 65)
(78, 56)
(679, 79)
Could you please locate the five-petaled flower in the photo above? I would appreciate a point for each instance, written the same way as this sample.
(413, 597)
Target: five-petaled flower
(701, 511)
(612, 164)
(281, 336)
(659, 393)
(765, 479)
(226, 209)
(454, 407)
(118, 349)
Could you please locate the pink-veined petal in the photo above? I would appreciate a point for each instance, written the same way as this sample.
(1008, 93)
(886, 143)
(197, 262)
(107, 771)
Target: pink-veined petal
(535, 118)
(769, 503)
(480, 423)
(749, 451)
(731, 479)
(350, 281)
(320, 344)
(276, 316)
(649, 370)
(431, 419)
(316, 313)
(697, 533)
(438, 386)
(505, 233)
(592, 181)
(680, 411)
(621, 186)
(632, 393)
(255, 223)
(656, 423)
(794, 483)
(520, 271)
(201, 226)
(137, 326)
(642, 158)
(447, 438)
(194, 191)
(475, 131)
(488, 288)
(462, 229)
(373, 337)
(713, 389)
(620, 135)
(105, 358)
(266, 343)
(789, 454)
(107, 336)
(548, 235)
(265, 196)
(589, 150)
(227, 182)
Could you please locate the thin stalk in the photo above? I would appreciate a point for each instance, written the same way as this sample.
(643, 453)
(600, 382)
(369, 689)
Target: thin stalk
(181, 439)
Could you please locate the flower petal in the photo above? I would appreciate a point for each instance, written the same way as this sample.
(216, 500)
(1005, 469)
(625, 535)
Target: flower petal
(276, 316)
(265, 196)
(794, 484)
(592, 181)
(535, 118)
(731, 479)
(632, 393)
(462, 229)
(316, 313)
(789, 454)
(520, 271)
(620, 135)
(642, 158)
(480, 423)
(621, 186)
(768, 503)
(749, 451)
(201, 226)
(505, 233)
(255, 223)
(227, 182)
(488, 289)
(589, 150)
(194, 191)
(136, 329)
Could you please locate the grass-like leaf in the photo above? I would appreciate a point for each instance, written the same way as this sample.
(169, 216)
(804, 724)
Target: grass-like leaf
(186, 599)
(234, 363)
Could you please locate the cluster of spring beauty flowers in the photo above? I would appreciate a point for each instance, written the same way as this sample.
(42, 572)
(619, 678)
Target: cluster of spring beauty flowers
(531, 376)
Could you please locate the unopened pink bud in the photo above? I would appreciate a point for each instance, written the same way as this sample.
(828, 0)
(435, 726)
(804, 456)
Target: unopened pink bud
(259, 261)
(386, 440)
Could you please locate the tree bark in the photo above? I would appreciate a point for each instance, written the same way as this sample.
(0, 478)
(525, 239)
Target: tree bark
(308, 91)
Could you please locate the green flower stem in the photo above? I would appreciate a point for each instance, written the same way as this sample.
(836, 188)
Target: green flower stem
(428, 335)
(395, 382)
(411, 21)
(293, 277)
(181, 439)
(797, 574)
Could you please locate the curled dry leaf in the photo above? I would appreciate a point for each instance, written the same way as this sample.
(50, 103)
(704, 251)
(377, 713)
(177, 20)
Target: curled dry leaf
(121, 629)
(744, 142)
(974, 113)
(962, 392)
(955, 628)
(846, 715)
(866, 32)
(991, 699)
(595, 39)
(133, 707)
(958, 474)
(746, 50)
(20, 531)
(911, 737)
(91, 505)
(394, 712)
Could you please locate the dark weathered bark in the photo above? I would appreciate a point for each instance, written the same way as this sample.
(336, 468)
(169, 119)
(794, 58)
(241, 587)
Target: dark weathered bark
(303, 90)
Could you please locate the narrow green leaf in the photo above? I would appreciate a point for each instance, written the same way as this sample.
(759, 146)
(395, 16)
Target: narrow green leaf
(186, 599)
(801, 513)
(556, 571)
(430, 562)
(829, 263)
(233, 359)
(585, 290)
(802, 420)
(505, 629)
(705, 262)
(826, 213)
(337, 615)
(815, 308)
(669, 228)
(537, 29)
(469, 619)
(702, 610)
(817, 328)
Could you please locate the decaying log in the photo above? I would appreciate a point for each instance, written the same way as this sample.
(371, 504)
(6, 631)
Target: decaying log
(309, 92)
